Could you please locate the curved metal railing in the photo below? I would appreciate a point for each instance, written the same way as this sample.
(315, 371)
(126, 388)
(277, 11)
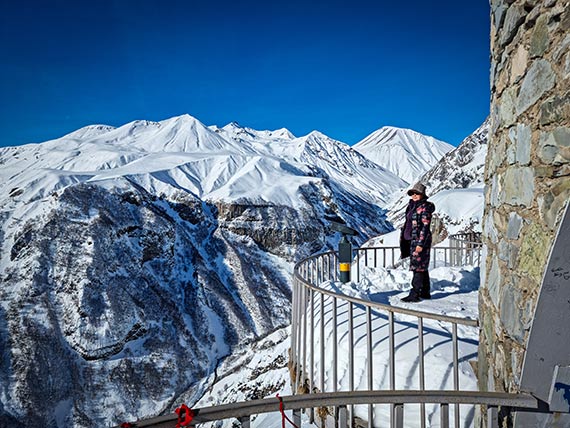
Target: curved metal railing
(242, 411)
(315, 307)
(316, 270)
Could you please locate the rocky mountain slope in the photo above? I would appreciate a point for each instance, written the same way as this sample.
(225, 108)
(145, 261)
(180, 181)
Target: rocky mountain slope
(134, 259)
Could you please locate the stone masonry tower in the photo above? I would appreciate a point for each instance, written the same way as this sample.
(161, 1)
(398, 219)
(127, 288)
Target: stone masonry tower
(527, 178)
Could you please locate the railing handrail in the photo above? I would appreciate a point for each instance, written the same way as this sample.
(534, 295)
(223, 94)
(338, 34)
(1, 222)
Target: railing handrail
(345, 398)
(422, 314)
(308, 313)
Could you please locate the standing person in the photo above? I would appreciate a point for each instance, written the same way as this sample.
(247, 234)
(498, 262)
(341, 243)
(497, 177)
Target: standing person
(415, 241)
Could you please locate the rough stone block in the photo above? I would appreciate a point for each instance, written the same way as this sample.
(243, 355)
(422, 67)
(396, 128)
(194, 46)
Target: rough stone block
(514, 226)
(511, 313)
(523, 144)
(539, 39)
(519, 63)
(489, 229)
(554, 147)
(494, 282)
(539, 79)
(534, 251)
(514, 17)
(507, 110)
(556, 109)
(518, 186)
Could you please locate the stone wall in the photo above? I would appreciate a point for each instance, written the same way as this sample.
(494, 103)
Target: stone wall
(527, 175)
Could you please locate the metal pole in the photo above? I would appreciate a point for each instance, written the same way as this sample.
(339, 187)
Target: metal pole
(369, 356)
(357, 265)
(399, 415)
(351, 356)
(375, 257)
(392, 363)
(335, 345)
(305, 291)
(422, 368)
(322, 342)
(300, 334)
(312, 351)
(294, 324)
(455, 370)
(342, 417)
(492, 417)
(444, 415)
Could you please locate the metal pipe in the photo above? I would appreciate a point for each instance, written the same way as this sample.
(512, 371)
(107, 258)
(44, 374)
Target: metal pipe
(322, 342)
(294, 357)
(375, 257)
(342, 417)
(455, 370)
(312, 356)
(357, 265)
(369, 357)
(304, 300)
(335, 345)
(444, 415)
(392, 364)
(392, 350)
(351, 356)
(422, 368)
(399, 415)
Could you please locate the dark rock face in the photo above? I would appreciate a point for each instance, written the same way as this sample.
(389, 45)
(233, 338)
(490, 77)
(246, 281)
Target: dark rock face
(462, 167)
(128, 295)
(116, 302)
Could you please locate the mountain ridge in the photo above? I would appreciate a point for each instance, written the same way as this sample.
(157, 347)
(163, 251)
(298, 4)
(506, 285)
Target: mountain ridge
(136, 257)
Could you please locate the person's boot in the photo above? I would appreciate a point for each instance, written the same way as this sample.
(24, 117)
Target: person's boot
(426, 287)
(414, 295)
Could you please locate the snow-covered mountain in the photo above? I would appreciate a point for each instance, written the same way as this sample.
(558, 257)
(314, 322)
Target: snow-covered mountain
(455, 185)
(133, 259)
(406, 153)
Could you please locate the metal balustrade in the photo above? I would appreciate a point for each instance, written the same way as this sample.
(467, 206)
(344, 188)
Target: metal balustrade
(308, 310)
(309, 318)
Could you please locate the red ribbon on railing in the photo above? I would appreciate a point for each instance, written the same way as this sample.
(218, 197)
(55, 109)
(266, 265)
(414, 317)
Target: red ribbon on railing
(185, 416)
(283, 415)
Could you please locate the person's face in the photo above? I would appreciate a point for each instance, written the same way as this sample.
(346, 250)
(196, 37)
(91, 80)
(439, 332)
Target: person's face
(415, 196)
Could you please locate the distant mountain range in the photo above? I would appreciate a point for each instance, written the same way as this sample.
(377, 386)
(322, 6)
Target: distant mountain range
(134, 259)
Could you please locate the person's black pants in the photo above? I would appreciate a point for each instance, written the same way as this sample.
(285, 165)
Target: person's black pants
(421, 285)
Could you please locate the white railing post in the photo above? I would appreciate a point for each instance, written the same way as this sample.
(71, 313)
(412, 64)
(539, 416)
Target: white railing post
(455, 370)
(351, 356)
(370, 362)
(335, 345)
(422, 368)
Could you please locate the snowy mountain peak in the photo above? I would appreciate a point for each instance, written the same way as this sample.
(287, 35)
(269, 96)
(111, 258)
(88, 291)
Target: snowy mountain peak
(90, 131)
(405, 152)
(235, 129)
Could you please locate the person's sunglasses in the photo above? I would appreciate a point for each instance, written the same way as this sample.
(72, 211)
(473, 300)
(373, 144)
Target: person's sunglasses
(414, 193)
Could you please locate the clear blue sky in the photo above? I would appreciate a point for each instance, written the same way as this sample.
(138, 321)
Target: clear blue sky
(345, 68)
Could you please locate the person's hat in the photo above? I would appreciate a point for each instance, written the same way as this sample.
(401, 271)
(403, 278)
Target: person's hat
(417, 188)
